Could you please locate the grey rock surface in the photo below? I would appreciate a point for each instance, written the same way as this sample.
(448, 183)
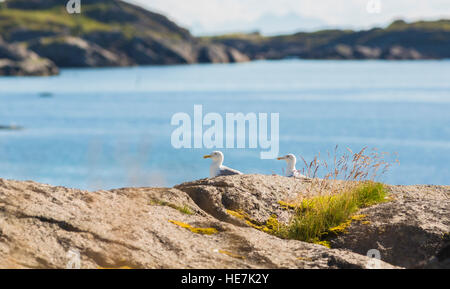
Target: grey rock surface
(16, 59)
(412, 231)
(75, 52)
(138, 228)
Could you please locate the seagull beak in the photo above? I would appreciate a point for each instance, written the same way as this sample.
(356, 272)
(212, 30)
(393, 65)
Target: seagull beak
(280, 158)
(207, 157)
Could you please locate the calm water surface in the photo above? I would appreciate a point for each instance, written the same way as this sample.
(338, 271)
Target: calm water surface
(108, 128)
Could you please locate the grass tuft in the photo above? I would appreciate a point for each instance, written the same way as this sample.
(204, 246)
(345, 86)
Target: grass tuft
(184, 210)
(322, 216)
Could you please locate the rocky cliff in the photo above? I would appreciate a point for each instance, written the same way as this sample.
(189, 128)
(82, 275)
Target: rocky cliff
(194, 226)
(398, 41)
(116, 33)
(16, 59)
(105, 33)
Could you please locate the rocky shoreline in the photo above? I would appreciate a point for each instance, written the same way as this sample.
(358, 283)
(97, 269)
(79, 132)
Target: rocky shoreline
(193, 226)
(116, 33)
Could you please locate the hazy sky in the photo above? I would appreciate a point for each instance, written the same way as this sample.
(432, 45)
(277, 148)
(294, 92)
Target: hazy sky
(271, 16)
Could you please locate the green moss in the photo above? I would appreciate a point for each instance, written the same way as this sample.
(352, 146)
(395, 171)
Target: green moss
(185, 209)
(52, 19)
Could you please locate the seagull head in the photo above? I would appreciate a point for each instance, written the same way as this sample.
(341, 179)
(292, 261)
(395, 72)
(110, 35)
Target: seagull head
(216, 156)
(290, 159)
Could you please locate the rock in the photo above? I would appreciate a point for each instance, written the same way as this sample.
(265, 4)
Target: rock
(75, 52)
(118, 33)
(401, 53)
(412, 231)
(212, 53)
(30, 67)
(41, 226)
(190, 226)
(147, 51)
(217, 53)
(10, 127)
(257, 196)
(366, 52)
(16, 59)
(110, 33)
(400, 40)
(235, 55)
(24, 35)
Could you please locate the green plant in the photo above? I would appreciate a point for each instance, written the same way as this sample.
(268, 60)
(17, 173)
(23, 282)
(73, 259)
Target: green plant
(321, 216)
(329, 203)
(185, 209)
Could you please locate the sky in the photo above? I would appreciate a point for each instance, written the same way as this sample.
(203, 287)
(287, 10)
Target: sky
(204, 17)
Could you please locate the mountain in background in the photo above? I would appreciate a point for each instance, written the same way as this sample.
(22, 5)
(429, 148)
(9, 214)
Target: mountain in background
(39, 36)
(267, 24)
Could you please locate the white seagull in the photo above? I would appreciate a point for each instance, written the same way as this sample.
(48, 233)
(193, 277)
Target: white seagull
(217, 169)
(291, 171)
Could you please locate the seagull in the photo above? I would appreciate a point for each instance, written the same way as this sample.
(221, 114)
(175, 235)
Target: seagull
(217, 169)
(291, 171)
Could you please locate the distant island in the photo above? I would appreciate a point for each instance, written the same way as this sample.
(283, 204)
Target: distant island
(37, 37)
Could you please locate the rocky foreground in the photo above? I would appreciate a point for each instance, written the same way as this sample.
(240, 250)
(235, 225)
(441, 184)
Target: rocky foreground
(195, 225)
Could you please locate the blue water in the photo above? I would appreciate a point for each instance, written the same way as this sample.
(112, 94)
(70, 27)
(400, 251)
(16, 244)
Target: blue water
(108, 128)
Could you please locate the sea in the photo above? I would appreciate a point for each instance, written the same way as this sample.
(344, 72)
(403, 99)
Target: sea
(105, 128)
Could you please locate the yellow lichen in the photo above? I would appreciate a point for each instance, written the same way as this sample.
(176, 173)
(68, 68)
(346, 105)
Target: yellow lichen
(236, 214)
(272, 225)
(323, 243)
(231, 254)
(286, 205)
(342, 228)
(204, 231)
(253, 225)
(244, 216)
(358, 217)
(121, 267)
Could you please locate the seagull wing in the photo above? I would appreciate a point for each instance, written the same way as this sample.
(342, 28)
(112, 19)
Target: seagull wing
(298, 175)
(226, 171)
